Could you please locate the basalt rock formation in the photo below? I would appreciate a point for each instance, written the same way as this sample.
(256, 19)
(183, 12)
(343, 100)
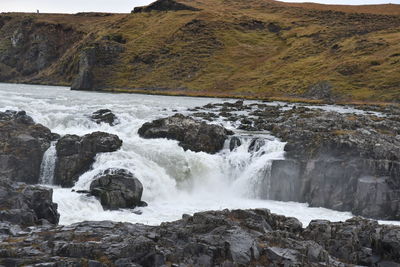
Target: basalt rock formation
(214, 238)
(26, 205)
(346, 162)
(22, 146)
(76, 154)
(117, 189)
(191, 134)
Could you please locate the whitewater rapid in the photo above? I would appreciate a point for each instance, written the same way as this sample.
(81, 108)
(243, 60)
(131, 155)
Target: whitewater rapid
(175, 181)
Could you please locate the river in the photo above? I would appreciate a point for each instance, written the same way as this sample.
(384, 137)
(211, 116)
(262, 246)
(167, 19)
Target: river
(175, 182)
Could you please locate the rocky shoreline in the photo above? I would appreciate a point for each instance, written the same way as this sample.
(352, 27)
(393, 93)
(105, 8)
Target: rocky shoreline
(341, 161)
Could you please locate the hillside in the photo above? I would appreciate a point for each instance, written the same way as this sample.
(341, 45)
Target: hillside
(244, 48)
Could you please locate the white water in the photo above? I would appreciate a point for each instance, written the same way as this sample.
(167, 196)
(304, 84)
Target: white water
(48, 165)
(175, 182)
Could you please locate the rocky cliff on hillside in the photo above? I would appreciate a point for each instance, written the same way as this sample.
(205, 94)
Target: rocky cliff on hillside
(345, 162)
(22, 146)
(164, 5)
(28, 47)
(220, 238)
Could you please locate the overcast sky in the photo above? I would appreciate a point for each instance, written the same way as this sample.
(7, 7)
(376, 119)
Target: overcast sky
(121, 6)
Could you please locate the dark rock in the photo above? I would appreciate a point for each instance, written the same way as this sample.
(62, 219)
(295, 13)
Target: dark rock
(256, 144)
(84, 80)
(26, 205)
(273, 27)
(117, 189)
(22, 146)
(252, 25)
(75, 154)
(164, 5)
(234, 143)
(213, 238)
(104, 116)
(96, 55)
(191, 134)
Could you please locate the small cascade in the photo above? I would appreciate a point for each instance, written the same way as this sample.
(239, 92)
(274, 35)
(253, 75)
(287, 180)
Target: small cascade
(48, 165)
(249, 165)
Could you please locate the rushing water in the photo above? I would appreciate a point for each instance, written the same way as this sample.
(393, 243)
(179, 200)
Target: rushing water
(48, 165)
(175, 181)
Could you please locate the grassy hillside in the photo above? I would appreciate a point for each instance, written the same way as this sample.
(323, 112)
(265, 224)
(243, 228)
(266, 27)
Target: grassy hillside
(251, 48)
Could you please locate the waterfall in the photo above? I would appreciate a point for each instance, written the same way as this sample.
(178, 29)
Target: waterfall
(175, 181)
(249, 165)
(48, 165)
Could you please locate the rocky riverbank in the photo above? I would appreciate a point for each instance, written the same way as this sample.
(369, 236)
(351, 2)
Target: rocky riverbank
(215, 238)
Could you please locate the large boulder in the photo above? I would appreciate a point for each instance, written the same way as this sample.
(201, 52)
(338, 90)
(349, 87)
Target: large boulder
(191, 134)
(75, 154)
(117, 189)
(26, 205)
(22, 146)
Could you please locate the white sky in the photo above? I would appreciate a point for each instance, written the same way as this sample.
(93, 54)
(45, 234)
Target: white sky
(122, 6)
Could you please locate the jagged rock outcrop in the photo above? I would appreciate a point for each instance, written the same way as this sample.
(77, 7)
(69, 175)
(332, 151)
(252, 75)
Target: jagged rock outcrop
(346, 162)
(29, 46)
(191, 134)
(26, 205)
(22, 146)
(117, 189)
(95, 56)
(214, 238)
(164, 5)
(76, 154)
(104, 116)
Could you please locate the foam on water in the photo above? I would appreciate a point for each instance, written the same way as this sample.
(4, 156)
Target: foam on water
(175, 181)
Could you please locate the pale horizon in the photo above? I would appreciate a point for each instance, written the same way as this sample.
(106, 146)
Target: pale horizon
(125, 6)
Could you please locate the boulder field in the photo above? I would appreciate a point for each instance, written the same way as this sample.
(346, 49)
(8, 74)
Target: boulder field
(214, 238)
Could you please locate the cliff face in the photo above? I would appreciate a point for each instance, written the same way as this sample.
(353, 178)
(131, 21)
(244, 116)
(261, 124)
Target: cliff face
(238, 48)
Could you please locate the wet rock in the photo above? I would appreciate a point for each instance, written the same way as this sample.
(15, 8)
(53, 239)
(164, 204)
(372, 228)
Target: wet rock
(191, 134)
(256, 144)
(213, 238)
(76, 154)
(26, 205)
(117, 189)
(164, 5)
(104, 116)
(22, 146)
(234, 143)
